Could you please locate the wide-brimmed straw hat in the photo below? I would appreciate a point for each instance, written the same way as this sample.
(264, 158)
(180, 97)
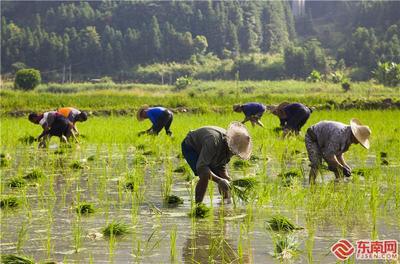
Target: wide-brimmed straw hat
(239, 140)
(360, 132)
(140, 111)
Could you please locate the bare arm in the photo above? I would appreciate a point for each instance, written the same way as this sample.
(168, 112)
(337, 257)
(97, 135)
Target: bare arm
(343, 162)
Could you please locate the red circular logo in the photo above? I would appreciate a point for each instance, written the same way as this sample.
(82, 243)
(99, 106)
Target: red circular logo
(342, 249)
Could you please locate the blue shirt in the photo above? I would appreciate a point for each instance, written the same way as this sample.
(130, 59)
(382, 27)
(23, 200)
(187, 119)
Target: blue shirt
(293, 109)
(250, 109)
(154, 113)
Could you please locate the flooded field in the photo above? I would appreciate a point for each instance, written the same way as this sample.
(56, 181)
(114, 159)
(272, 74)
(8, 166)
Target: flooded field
(128, 183)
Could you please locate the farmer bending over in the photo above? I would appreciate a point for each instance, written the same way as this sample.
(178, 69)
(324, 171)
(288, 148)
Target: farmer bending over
(53, 124)
(160, 117)
(329, 140)
(73, 115)
(208, 149)
(252, 111)
(292, 116)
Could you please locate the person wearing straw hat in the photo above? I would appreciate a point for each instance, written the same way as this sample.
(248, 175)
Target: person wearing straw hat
(292, 116)
(73, 115)
(160, 117)
(328, 140)
(209, 149)
(252, 111)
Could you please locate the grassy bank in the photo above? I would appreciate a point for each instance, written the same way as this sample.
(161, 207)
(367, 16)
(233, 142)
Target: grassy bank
(203, 96)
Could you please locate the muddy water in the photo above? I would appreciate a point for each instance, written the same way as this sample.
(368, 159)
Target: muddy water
(232, 234)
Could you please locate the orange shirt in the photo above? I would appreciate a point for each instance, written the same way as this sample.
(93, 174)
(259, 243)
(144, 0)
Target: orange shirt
(65, 111)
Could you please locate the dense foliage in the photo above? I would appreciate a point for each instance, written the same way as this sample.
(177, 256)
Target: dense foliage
(27, 79)
(118, 38)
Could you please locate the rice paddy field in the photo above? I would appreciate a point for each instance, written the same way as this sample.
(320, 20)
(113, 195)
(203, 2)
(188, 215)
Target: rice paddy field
(120, 198)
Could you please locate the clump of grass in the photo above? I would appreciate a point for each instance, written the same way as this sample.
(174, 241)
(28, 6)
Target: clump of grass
(281, 224)
(115, 228)
(34, 175)
(17, 182)
(9, 202)
(15, 259)
(239, 164)
(60, 151)
(77, 165)
(277, 130)
(180, 169)
(242, 188)
(383, 156)
(361, 172)
(200, 211)
(173, 200)
(84, 208)
(28, 140)
(91, 158)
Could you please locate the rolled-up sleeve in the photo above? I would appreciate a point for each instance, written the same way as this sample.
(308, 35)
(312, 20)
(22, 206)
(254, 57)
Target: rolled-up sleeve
(206, 156)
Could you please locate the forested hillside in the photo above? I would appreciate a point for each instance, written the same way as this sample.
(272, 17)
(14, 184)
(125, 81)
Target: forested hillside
(110, 38)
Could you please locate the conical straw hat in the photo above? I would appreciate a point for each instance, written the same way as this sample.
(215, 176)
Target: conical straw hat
(239, 140)
(360, 132)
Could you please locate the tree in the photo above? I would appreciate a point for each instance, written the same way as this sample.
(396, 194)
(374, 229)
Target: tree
(27, 79)
(200, 44)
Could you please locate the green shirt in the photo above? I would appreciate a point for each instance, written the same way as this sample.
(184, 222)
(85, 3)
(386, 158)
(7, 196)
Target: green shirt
(211, 145)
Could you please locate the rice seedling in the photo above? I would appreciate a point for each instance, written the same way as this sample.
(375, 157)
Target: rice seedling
(9, 202)
(200, 211)
(5, 160)
(115, 228)
(84, 208)
(244, 188)
(16, 182)
(172, 237)
(282, 224)
(35, 174)
(91, 158)
(22, 236)
(16, 259)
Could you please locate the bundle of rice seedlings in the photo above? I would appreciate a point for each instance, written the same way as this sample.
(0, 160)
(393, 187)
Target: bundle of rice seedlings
(286, 247)
(200, 211)
(282, 224)
(115, 228)
(180, 169)
(15, 259)
(140, 160)
(84, 208)
(173, 200)
(9, 202)
(28, 140)
(77, 165)
(17, 182)
(5, 160)
(129, 185)
(34, 175)
(242, 188)
(239, 164)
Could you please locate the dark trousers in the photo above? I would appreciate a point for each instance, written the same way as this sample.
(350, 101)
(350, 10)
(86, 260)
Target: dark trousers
(60, 127)
(164, 121)
(190, 156)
